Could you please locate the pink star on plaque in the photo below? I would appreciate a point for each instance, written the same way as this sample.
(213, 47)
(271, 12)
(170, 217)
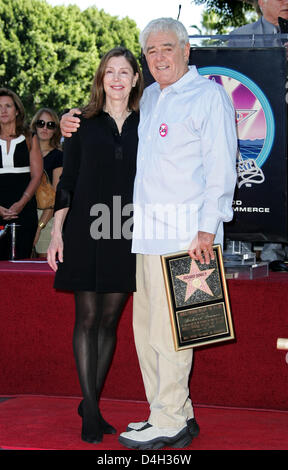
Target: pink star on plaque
(196, 279)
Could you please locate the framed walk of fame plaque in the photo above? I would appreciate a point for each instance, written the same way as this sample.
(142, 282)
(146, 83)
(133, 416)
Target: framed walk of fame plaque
(198, 300)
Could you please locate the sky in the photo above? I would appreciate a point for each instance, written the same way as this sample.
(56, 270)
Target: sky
(144, 11)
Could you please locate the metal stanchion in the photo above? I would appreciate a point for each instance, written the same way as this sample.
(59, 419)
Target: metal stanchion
(13, 240)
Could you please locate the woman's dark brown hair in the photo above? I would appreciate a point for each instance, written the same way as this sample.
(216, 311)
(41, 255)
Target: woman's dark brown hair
(97, 97)
(56, 137)
(21, 127)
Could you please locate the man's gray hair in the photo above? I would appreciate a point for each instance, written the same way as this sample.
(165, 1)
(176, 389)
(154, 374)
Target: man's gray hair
(164, 25)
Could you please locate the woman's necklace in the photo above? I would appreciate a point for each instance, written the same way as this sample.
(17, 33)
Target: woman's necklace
(118, 117)
(7, 137)
(8, 133)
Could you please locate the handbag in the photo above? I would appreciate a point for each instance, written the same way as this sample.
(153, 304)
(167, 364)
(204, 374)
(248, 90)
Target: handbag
(45, 194)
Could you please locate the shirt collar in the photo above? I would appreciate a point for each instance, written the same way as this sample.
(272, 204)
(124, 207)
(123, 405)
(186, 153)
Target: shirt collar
(267, 25)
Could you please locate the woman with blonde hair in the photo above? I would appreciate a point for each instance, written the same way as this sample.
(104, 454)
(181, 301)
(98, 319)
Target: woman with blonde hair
(45, 124)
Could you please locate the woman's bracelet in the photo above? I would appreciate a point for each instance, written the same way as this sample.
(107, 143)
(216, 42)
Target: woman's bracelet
(41, 225)
(26, 194)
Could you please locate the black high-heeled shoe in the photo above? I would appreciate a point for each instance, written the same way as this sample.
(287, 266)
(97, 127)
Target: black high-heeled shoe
(106, 427)
(92, 438)
(92, 431)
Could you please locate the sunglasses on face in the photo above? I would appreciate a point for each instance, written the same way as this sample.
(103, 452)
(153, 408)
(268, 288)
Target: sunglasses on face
(49, 124)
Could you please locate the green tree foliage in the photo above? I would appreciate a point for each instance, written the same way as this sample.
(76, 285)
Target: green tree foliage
(211, 23)
(49, 55)
(229, 13)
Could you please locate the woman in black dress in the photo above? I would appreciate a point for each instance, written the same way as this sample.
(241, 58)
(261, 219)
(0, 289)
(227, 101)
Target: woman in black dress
(94, 208)
(21, 168)
(45, 124)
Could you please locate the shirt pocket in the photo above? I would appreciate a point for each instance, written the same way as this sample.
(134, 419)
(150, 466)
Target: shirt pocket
(174, 138)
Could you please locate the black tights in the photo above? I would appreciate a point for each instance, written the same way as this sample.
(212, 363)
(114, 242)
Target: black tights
(94, 339)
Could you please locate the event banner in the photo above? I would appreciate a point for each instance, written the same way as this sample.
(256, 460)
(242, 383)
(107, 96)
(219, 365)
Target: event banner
(255, 80)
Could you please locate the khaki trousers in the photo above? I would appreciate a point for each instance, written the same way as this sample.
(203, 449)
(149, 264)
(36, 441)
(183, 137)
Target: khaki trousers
(165, 372)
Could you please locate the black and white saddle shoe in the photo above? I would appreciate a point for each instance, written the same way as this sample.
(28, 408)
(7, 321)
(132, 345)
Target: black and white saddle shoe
(152, 437)
(192, 424)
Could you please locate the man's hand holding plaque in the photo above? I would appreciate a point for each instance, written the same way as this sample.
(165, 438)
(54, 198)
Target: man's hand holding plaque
(201, 248)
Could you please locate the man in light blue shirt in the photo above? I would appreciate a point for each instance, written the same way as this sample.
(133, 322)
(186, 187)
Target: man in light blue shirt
(186, 168)
(183, 193)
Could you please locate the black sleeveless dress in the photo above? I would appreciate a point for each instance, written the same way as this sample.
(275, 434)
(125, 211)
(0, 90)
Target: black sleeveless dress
(14, 179)
(97, 185)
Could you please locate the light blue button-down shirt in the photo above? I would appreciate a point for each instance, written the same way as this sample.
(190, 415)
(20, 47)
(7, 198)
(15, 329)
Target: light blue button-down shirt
(186, 164)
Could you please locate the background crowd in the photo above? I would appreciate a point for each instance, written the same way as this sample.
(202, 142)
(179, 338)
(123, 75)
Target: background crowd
(25, 152)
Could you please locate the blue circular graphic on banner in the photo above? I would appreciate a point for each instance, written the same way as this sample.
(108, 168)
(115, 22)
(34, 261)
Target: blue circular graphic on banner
(255, 119)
